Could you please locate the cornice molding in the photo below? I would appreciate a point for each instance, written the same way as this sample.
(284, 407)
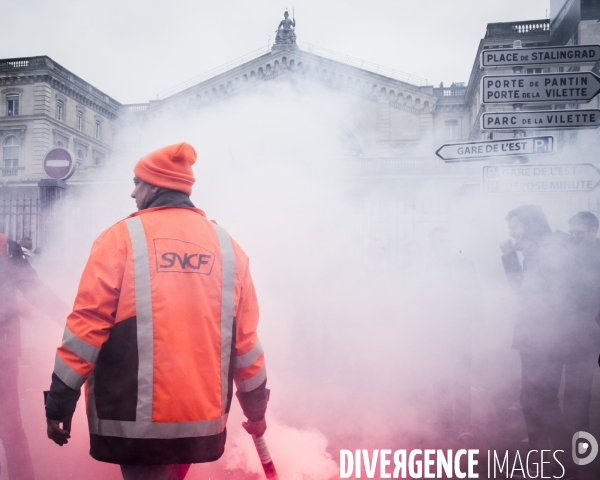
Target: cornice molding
(10, 90)
(78, 143)
(19, 130)
(67, 88)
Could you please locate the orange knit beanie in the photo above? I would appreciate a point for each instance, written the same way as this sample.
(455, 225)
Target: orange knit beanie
(169, 167)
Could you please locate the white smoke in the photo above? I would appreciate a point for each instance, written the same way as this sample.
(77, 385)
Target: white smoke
(348, 304)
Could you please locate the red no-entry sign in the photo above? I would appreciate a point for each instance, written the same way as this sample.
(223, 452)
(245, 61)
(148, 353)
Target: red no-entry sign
(59, 164)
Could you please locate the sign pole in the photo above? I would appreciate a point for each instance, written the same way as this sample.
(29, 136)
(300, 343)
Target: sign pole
(518, 106)
(51, 192)
(59, 165)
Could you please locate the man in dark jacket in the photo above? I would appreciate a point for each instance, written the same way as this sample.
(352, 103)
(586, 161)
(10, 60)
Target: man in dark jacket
(584, 335)
(544, 284)
(17, 274)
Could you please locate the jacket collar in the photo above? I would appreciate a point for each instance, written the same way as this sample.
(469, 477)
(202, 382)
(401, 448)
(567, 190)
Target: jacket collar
(169, 198)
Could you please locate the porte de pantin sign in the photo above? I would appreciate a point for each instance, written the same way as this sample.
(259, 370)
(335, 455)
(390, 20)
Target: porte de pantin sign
(562, 87)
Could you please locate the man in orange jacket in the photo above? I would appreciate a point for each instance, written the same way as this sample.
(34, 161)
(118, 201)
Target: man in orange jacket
(163, 323)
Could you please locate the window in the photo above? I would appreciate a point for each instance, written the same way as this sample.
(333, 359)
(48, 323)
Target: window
(12, 102)
(451, 129)
(535, 70)
(79, 123)
(59, 110)
(97, 161)
(97, 130)
(11, 156)
(79, 157)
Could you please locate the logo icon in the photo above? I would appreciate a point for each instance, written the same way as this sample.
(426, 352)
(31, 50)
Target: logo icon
(174, 255)
(585, 448)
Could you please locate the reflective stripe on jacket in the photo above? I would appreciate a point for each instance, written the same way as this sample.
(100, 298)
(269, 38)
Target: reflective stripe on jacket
(164, 321)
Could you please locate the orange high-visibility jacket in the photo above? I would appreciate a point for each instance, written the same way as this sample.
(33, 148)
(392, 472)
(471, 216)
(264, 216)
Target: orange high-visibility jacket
(164, 321)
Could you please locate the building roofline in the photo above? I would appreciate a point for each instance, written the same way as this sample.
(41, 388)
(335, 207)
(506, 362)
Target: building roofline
(225, 70)
(45, 62)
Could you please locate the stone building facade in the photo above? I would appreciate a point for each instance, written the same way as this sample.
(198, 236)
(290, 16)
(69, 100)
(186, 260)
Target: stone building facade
(44, 105)
(396, 116)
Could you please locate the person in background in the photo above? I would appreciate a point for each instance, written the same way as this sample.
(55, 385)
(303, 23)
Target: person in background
(584, 335)
(544, 284)
(17, 277)
(27, 246)
(163, 323)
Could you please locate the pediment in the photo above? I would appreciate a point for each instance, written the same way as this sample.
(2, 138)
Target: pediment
(308, 67)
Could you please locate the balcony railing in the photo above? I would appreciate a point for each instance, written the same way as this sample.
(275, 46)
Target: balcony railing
(450, 91)
(512, 29)
(86, 172)
(136, 107)
(12, 64)
(11, 171)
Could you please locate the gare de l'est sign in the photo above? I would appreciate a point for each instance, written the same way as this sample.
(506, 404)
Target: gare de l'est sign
(460, 152)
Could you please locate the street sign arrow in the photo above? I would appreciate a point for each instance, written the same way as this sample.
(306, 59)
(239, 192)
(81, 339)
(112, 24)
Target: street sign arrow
(462, 152)
(508, 57)
(553, 119)
(583, 177)
(545, 87)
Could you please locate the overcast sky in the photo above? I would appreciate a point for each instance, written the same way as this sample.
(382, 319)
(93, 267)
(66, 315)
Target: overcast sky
(133, 49)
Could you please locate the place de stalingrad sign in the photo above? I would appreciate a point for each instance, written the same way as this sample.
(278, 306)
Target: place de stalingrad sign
(549, 178)
(512, 57)
(548, 119)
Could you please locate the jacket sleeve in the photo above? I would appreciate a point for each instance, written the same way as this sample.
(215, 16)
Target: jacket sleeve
(88, 326)
(250, 372)
(513, 271)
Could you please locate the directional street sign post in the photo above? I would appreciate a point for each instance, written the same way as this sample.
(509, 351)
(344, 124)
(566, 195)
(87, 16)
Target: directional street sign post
(553, 119)
(547, 88)
(553, 88)
(462, 152)
(583, 177)
(511, 57)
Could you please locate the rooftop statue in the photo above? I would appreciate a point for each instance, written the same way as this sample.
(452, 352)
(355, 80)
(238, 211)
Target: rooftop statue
(285, 31)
